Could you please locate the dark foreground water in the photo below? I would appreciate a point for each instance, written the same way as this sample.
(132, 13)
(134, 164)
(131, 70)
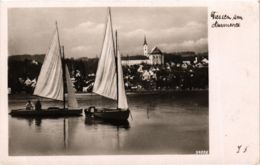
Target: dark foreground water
(165, 123)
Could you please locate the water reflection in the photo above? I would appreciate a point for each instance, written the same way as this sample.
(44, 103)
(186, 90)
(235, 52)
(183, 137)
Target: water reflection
(30, 120)
(163, 124)
(89, 121)
(150, 107)
(38, 121)
(68, 127)
(65, 133)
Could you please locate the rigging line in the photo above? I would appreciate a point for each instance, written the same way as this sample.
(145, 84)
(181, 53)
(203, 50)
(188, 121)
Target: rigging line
(63, 67)
(104, 37)
(112, 31)
(105, 29)
(115, 51)
(58, 39)
(64, 77)
(117, 75)
(131, 115)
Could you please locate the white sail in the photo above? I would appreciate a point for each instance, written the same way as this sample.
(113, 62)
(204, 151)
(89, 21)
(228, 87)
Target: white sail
(105, 82)
(72, 101)
(50, 81)
(122, 99)
(106, 77)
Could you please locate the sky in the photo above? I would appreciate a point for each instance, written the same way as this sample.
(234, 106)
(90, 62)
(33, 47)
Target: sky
(81, 30)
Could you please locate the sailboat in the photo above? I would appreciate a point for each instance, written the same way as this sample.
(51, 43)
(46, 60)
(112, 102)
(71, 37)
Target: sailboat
(109, 80)
(53, 78)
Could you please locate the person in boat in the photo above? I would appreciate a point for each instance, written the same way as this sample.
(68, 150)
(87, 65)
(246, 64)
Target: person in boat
(38, 105)
(29, 105)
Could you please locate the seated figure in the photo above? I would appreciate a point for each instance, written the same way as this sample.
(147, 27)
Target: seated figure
(38, 105)
(29, 105)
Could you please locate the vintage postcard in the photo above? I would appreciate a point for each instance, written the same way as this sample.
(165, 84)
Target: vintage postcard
(129, 82)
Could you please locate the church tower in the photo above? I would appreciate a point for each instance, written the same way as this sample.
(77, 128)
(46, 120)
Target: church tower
(145, 47)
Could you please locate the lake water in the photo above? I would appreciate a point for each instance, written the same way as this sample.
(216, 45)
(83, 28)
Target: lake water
(165, 123)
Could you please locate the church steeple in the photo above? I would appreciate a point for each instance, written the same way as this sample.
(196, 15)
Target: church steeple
(145, 43)
(145, 47)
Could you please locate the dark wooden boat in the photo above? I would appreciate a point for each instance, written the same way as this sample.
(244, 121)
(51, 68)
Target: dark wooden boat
(117, 123)
(107, 114)
(109, 80)
(50, 112)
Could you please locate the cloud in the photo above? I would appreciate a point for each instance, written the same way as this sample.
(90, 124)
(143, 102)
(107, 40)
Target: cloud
(136, 33)
(191, 36)
(82, 29)
(80, 48)
(200, 45)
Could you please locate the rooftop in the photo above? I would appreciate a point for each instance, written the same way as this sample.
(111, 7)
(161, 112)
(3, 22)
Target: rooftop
(156, 50)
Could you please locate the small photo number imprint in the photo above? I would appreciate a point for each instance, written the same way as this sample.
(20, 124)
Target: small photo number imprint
(202, 152)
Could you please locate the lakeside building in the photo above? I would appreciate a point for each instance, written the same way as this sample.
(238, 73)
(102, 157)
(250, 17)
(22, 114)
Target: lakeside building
(155, 57)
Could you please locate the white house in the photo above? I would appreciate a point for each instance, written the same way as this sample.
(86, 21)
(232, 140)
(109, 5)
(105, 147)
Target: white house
(156, 57)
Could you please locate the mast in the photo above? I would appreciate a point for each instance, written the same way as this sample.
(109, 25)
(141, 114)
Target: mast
(117, 91)
(63, 65)
(115, 52)
(109, 12)
(64, 78)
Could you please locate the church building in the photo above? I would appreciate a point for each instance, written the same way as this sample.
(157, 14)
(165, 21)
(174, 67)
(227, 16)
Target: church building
(155, 57)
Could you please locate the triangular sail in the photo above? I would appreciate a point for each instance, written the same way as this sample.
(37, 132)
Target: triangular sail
(50, 81)
(105, 82)
(72, 101)
(122, 99)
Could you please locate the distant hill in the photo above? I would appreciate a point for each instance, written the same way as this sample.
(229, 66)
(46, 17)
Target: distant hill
(178, 57)
(22, 57)
(168, 56)
(38, 57)
(184, 54)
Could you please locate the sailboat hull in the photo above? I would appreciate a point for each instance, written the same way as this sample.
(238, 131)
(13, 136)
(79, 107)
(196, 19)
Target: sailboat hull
(108, 114)
(53, 112)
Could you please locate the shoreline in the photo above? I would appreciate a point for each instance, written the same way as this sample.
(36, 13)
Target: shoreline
(130, 93)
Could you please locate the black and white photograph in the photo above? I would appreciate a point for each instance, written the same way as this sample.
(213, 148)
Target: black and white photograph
(108, 81)
(129, 82)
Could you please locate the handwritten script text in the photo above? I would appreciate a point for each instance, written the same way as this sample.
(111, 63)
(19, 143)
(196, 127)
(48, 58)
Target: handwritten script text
(225, 20)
